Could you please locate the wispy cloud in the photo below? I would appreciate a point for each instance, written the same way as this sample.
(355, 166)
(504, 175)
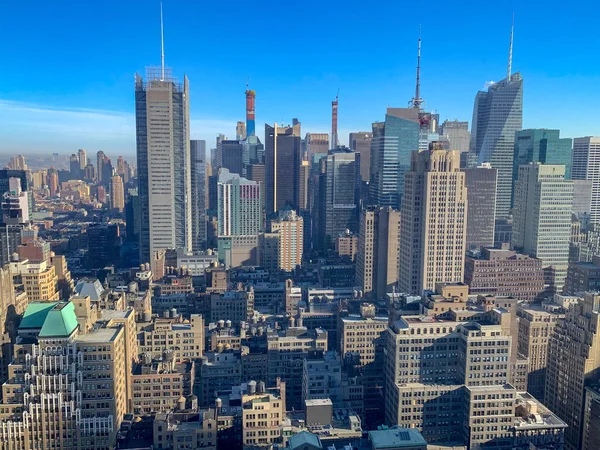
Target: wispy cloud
(35, 128)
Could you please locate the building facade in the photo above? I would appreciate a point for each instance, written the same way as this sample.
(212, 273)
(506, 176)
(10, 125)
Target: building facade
(240, 206)
(481, 213)
(198, 194)
(586, 166)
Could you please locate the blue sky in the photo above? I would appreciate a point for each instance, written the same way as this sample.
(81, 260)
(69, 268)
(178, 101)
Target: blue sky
(68, 66)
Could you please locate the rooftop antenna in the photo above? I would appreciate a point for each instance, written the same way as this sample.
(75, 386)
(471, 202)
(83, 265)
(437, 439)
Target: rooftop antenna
(417, 101)
(162, 46)
(510, 48)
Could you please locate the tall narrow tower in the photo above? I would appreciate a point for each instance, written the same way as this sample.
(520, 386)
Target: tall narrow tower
(334, 122)
(417, 102)
(250, 117)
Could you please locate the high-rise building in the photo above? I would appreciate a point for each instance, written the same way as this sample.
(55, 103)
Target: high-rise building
(536, 326)
(240, 131)
(497, 116)
(163, 162)
(360, 142)
(117, 194)
(232, 156)
(377, 255)
(240, 206)
(82, 157)
(100, 157)
(544, 146)
(481, 195)
(392, 143)
(457, 134)
(572, 362)
(586, 166)
(198, 194)
(18, 163)
(282, 166)
(339, 212)
(104, 245)
(303, 181)
(250, 112)
(317, 146)
(433, 221)
(74, 171)
(290, 228)
(542, 219)
(52, 180)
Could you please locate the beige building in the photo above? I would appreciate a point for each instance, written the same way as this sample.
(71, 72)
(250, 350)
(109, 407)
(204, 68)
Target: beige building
(346, 245)
(83, 410)
(291, 239)
(536, 326)
(377, 253)
(185, 339)
(39, 280)
(433, 222)
(117, 193)
(263, 413)
(161, 385)
(360, 335)
(573, 361)
(185, 430)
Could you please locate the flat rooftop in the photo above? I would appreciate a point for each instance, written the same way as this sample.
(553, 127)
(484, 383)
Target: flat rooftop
(99, 335)
(396, 437)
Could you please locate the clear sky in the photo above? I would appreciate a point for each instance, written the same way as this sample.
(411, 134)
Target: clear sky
(67, 66)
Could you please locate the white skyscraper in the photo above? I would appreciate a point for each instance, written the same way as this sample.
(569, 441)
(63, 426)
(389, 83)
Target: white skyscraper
(586, 166)
(542, 219)
(240, 205)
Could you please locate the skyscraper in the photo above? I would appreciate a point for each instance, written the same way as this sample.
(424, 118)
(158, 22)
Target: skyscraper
(282, 166)
(82, 156)
(240, 206)
(74, 171)
(290, 227)
(586, 166)
(163, 160)
(433, 221)
(542, 219)
(198, 194)
(457, 134)
(392, 144)
(339, 212)
(117, 193)
(99, 166)
(377, 255)
(541, 145)
(497, 116)
(250, 112)
(317, 146)
(240, 131)
(360, 142)
(232, 156)
(573, 363)
(481, 195)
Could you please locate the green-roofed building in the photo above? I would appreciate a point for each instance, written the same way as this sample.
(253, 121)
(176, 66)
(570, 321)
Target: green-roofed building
(397, 438)
(305, 441)
(61, 321)
(35, 315)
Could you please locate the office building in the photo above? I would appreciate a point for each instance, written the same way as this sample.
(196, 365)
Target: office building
(163, 162)
(303, 182)
(583, 276)
(317, 146)
(100, 158)
(544, 146)
(503, 272)
(184, 340)
(457, 134)
(536, 326)
(392, 143)
(50, 345)
(104, 245)
(542, 219)
(378, 250)
(346, 244)
(198, 194)
(572, 363)
(586, 166)
(481, 195)
(74, 171)
(290, 228)
(117, 194)
(231, 154)
(82, 158)
(240, 207)
(339, 210)
(18, 163)
(360, 142)
(582, 197)
(497, 116)
(283, 157)
(433, 221)
(591, 418)
(240, 130)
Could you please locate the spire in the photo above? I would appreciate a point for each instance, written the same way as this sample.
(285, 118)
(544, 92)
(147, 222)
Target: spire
(417, 101)
(162, 46)
(510, 48)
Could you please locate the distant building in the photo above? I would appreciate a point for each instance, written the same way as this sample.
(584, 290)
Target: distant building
(544, 146)
(117, 194)
(457, 134)
(290, 228)
(583, 277)
(360, 142)
(199, 189)
(586, 166)
(317, 146)
(240, 206)
(104, 245)
(346, 244)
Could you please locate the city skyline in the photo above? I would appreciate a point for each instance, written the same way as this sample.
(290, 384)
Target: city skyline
(91, 107)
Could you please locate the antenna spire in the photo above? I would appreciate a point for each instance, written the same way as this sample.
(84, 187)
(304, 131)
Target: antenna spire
(510, 49)
(162, 46)
(417, 101)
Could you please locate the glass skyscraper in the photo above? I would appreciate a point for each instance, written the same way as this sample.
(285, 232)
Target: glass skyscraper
(497, 116)
(545, 146)
(393, 142)
(198, 194)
